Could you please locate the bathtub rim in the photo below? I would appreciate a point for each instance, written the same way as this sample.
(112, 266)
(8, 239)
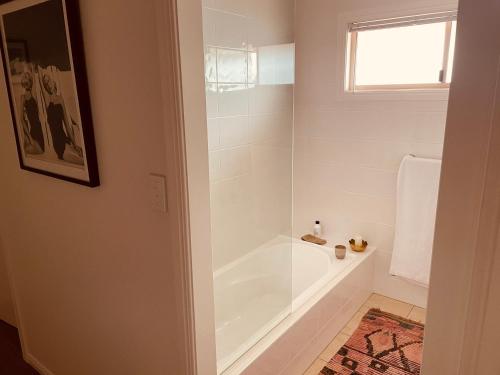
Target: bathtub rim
(223, 364)
(274, 333)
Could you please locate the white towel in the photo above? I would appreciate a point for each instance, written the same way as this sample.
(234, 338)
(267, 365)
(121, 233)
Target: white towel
(418, 187)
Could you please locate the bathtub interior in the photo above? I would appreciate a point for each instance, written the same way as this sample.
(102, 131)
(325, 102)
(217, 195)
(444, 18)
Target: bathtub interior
(252, 295)
(312, 267)
(257, 292)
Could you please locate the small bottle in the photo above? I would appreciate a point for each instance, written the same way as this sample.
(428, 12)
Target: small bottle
(317, 229)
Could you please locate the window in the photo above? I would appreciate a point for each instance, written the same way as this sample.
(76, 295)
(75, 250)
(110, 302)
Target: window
(401, 53)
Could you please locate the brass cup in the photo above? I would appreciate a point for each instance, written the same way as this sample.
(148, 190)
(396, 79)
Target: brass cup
(358, 249)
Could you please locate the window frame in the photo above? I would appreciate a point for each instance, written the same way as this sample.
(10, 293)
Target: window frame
(352, 35)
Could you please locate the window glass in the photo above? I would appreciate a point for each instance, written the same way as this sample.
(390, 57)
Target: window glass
(451, 54)
(400, 55)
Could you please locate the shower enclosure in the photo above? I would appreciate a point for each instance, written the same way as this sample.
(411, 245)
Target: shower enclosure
(249, 75)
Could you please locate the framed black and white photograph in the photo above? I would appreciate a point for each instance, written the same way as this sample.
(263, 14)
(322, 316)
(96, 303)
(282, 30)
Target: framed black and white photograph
(44, 68)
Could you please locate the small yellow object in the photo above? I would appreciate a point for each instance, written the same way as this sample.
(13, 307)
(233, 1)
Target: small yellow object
(357, 248)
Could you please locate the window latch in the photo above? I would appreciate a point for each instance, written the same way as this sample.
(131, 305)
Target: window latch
(441, 76)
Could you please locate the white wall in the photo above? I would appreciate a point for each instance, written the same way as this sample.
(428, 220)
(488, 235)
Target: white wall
(6, 304)
(348, 149)
(462, 327)
(491, 327)
(249, 88)
(93, 269)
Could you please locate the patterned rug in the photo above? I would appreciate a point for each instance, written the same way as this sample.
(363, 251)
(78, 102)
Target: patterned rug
(382, 344)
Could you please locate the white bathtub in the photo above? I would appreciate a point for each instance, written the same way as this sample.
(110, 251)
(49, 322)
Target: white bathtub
(265, 318)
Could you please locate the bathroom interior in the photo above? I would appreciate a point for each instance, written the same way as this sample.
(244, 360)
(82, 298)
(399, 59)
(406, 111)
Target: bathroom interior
(223, 131)
(324, 118)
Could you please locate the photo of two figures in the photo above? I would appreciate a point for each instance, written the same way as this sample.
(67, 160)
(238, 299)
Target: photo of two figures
(49, 129)
(44, 98)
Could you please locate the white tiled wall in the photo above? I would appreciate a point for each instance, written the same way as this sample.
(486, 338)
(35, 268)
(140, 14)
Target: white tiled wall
(347, 151)
(248, 60)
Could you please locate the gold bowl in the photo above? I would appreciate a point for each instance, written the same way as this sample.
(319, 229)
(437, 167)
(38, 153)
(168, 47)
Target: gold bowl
(358, 249)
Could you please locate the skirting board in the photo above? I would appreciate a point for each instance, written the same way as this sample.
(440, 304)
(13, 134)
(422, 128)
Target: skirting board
(37, 365)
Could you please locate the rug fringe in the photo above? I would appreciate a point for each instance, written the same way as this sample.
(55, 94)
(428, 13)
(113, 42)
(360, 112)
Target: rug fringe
(377, 311)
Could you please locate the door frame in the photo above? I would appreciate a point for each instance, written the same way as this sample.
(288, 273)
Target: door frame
(468, 207)
(180, 45)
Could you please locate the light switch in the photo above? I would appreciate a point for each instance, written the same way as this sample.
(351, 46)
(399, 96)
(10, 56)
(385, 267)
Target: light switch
(158, 193)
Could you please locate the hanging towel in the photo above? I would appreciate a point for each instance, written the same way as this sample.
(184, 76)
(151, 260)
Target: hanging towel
(418, 186)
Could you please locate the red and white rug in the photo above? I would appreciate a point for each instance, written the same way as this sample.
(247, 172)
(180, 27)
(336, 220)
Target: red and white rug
(383, 344)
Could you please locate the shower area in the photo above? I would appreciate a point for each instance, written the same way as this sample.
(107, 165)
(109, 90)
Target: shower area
(249, 49)
(249, 79)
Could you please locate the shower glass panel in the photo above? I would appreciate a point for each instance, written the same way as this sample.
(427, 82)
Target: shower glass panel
(249, 75)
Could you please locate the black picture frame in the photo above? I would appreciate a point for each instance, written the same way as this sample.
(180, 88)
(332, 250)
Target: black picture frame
(61, 144)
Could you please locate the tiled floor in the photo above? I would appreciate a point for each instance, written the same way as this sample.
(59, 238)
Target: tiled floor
(375, 301)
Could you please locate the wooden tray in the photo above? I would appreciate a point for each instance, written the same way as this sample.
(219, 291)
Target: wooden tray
(313, 239)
